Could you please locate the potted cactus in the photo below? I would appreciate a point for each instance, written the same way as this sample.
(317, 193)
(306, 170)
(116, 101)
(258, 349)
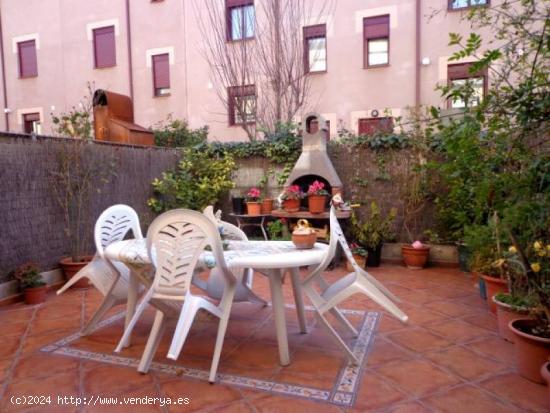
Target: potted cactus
(32, 283)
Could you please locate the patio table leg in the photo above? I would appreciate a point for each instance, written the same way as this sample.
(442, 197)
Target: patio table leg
(298, 298)
(133, 291)
(275, 283)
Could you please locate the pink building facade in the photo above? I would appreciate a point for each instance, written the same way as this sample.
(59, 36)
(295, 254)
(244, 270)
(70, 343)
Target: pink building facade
(155, 57)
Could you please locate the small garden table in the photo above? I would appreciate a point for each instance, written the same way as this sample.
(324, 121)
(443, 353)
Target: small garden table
(271, 258)
(245, 220)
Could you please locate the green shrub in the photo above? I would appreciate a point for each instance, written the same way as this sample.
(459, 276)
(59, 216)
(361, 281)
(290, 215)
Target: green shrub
(201, 177)
(176, 133)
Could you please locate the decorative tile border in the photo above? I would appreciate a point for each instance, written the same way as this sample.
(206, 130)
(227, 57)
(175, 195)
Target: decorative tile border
(343, 393)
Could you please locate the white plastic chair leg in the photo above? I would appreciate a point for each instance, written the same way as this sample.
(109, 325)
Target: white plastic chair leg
(130, 327)
(381, 287)
(185, 321)
(108, 303)
(378, 297)
(335, 311)
(157, 330)
(222, 327)
(77, 277)
(338, 339)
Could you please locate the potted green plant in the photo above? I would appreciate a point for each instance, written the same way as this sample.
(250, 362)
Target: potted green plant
(487, 250)
(291, 198)
(532, 335)
(31, 281)
(267, 202)
(360, 255)
(254, 202)
(516, 302)
(317, 197)
(415, 255)
(372, 231)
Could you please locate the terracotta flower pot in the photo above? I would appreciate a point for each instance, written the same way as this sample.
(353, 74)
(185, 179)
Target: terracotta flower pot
(304, 241)
(291, 205)
(505, 314)
(415, 258)
(359, 259)
(493, 286)
(316, 203)
(36, 295)
(254, 208)
(545, 373)
(531, 351)
(267, 206)
(70, 268)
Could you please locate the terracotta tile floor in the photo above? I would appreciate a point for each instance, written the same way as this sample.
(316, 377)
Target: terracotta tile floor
(447, 359)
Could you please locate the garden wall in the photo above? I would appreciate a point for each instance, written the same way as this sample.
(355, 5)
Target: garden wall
(31, 221)
(385, 177)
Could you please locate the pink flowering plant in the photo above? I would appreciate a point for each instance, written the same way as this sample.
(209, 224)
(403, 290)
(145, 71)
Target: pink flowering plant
(357, 249)
(293, 192)
(317, 188)
(254, 195)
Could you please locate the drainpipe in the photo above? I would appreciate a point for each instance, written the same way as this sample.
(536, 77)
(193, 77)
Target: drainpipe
(7, 116)
(184, 13)
(417, 51)
(129, 42)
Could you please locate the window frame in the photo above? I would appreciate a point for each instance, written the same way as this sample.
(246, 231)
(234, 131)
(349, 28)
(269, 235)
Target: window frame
(154, 73)
(379, 119)
(21, 73)
(32, 122)
(94, 34)
(469, 6)
(230, 5)
(235, 92)
(366, 41)
(483, 74)
(322, 29)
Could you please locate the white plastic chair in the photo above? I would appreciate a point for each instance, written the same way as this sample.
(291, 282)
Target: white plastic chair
(110, 279)
(215, 283)
(175, 242)
(355, 282)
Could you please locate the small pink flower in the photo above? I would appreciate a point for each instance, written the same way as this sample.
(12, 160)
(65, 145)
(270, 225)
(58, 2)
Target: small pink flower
(417, 244)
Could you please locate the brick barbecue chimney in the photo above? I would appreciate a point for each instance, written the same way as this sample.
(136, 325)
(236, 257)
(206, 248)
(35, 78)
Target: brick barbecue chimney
(314, 161)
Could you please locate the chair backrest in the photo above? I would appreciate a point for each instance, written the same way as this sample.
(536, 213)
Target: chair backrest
(229, 231)
(336, 232)
(113, 225)
(175, 242)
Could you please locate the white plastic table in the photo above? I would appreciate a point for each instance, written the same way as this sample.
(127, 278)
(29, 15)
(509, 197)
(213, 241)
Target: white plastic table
(272, 258)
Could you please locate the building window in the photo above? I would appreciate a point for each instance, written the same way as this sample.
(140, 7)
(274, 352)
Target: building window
(377, 41)
(315, 48)
(104, 47)
(473, 85)
(31, 123)
(464, 4)
(375, 126)
(242, 104)
(28, 66)
(240, 19)
(161, 74)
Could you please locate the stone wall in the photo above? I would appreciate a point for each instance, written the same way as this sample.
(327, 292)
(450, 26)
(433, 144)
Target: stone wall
(31, 219)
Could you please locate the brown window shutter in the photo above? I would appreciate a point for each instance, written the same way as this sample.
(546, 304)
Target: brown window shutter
(161, 71)
(28, 64)
(376, 27)
(319, 30)
(104, 47)
(372, 126)
(462, 71)
(238, 3)
(231, 104)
